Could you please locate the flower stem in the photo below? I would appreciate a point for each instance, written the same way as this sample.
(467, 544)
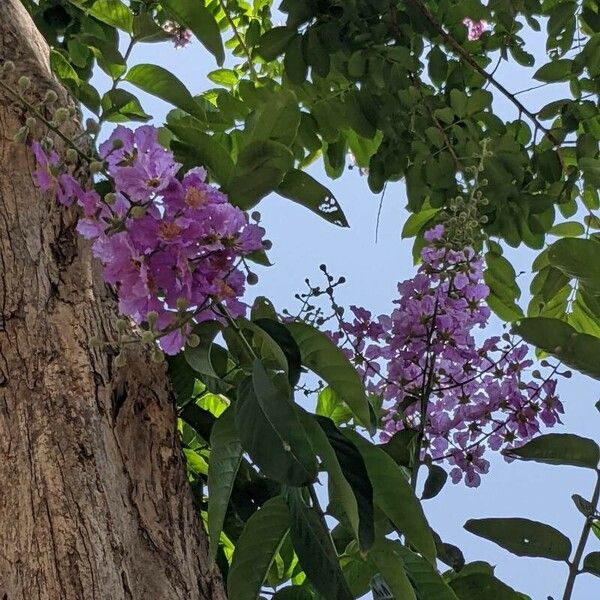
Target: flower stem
(585, 532)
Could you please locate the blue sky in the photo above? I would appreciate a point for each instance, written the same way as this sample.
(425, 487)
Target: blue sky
(302, 241)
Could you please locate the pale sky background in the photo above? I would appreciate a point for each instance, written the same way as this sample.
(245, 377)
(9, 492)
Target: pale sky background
(302, 241)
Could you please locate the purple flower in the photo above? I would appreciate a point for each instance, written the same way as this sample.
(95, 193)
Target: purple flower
(475, 29)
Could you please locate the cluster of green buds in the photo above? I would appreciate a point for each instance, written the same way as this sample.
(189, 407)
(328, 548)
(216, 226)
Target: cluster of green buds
(462, 219)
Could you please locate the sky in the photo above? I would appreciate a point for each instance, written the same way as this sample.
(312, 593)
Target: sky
(302, 241)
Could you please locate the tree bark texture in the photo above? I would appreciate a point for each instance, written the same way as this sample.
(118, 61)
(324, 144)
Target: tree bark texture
(94, 502)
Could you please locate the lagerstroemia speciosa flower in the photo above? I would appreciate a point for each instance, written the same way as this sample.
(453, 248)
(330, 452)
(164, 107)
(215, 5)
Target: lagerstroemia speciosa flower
(477, 395)
(475, 29)
(170, 246)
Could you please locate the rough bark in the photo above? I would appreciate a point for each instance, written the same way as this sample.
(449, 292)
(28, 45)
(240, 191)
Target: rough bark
(94, 503)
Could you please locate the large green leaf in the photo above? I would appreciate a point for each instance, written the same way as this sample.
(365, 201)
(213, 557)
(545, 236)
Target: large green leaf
(591, 563)
(315, 550)
(112, 12)
(349, 484)
(307, 191)
(274, 42)
(483, 586)
(395, 496)
(260, 168)
(429, 584)
(523, 537)
(580, 351)
(578, 258)
(195, 16)
(280, 334)
(256, 549)
(390, 565)
(559, 449)
(164, 85)
(225, 458)
(204, 150)
(330, 405)
(270, 429)
(323, 357)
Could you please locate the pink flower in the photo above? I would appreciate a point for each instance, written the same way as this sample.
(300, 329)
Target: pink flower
(475, 29)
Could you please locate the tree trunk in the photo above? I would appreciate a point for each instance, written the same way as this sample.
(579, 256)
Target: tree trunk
(94, 502)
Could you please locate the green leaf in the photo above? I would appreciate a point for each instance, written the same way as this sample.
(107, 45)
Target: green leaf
(591, 170)
(205, 150)
(315, 550)
(277, 119)
(417, 221)
(579, 259)
(294, 62)
(280, 334)
(260, 169)
(355, 473)
(275, 41)
(559, 449)
(427, 581)
(164, 85)
(330, 405)
(577, 350)
(568, 229)
(483, 586)
(195, 16)
(307, 191)
(225, 77)
(225, 458)
(591, 563)
(323, 357)
(256, 549)
(434, 483)
(112, 12)
(390, 565)
(523, 537)
(120, 106)
(201, 357)
(557, 70)
(270, 429)
(395, 496)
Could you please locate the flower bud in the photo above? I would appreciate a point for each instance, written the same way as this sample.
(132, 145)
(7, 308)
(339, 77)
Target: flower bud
(91, 126)
(267, 244)
(121, 325)
(255, 216)
(21, 135)
(72, 155)
(47, 144)
(30, 122)
(24, 83)
(110, 198)
(8, 66)
(152, 317)
(138, 211)
(193, 340)
(252, 278)
(50, 97)
(182, 304)
(96, 166)
(148, 337)
(120, 360)
(96, 341)
(158, 356)
(117, 144)
(61, 115)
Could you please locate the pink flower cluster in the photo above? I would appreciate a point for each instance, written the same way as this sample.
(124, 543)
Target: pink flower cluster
(170, 246)
(476, 395)
(180, 35)
(475, 29)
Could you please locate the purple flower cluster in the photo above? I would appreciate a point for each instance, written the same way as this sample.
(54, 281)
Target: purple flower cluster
(171, 247)
(425, 363)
